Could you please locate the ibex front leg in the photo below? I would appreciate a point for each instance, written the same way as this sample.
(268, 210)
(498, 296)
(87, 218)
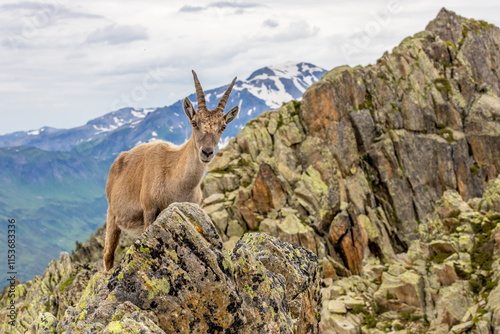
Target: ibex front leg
(150, 216)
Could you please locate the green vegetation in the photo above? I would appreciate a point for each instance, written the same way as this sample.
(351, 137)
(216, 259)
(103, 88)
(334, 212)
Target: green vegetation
(410, 316)
(66, 283)
(447, 134)
(484, 24)
(370, 320)
(43, 198)
(482, 257)
(438, 257)
(462, 274)
(475, 169)
(443, 85)
(399, 327)
(357, 309)
(296, 105)
(368, 103)
(480, 25)
(395, 108)
(451, 45)
(465, 32)
(445, 64)
(280, 121)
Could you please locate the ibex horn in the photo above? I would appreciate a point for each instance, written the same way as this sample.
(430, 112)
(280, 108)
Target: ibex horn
(199, 93)
(225, 97)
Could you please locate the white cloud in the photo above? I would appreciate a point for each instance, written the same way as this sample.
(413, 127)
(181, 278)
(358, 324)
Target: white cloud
(271, 23)
(118, 34)
(188, 8)
(238, 6)
(63, 67)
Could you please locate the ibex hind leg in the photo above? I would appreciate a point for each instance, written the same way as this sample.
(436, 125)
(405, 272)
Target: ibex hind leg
(112, 239)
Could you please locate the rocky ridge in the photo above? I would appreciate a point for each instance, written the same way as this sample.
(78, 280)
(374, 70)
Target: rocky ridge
(177, 278)
(388, 173)
(362, 161)
(357, 170)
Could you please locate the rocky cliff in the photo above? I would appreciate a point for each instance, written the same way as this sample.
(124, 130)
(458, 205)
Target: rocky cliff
(361, 170)
(388, 173)
(375, 145)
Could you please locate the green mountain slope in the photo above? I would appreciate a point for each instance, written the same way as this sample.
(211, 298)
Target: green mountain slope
(55, 197)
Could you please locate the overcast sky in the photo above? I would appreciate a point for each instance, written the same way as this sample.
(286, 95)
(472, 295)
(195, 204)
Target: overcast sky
(65, 62)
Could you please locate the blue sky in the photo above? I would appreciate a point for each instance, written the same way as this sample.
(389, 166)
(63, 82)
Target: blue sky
(65, 62)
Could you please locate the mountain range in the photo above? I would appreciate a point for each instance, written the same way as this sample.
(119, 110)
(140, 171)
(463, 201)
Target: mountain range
(47, 175)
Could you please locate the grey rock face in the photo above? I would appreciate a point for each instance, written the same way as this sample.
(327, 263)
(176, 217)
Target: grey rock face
(177, 278)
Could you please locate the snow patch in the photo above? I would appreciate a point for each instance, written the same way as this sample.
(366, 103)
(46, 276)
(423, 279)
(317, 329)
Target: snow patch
(104, 129)
(141, 113)
(118, 122)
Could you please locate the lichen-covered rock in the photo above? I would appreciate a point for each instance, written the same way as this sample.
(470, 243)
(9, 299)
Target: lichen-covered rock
(344, 324)
(451, 205)
(291, 229)
(267, 191)
(43, 300)
(44, 324)
(297, 273)
(453, 303)
(445, 273)
(177, 278)
(221, 220)
(132, 324)
(491, 197)
(176, 269)
(494, 305)
(401, 293)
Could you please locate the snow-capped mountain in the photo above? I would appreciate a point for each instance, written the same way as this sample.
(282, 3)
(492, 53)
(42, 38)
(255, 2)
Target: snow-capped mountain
(266, 88)
(277, 84)
(51, 139)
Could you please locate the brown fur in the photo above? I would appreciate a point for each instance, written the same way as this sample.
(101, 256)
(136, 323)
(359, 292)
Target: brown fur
(147, 179)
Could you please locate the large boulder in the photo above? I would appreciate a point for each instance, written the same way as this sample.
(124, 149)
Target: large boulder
(177, 278)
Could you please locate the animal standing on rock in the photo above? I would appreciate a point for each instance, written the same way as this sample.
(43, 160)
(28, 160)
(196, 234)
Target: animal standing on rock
(148, 178)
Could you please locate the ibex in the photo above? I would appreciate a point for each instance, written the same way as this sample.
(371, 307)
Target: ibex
(148, 178)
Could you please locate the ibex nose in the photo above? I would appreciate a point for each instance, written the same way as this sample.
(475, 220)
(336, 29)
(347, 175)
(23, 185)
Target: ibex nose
(207, 152)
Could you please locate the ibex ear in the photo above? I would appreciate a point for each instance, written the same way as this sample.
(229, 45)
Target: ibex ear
(188, 108)
(231, 114)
